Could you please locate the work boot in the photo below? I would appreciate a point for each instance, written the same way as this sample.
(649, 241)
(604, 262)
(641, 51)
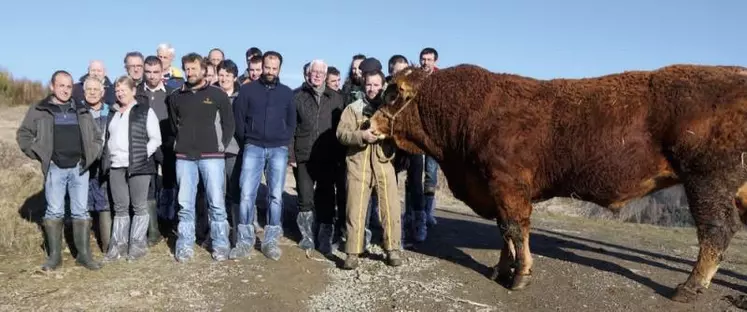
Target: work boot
(105, 229)
(245, 238)
(270, 245)
(305, 221)
(326, 232)
(393, 258)
(82, 239)
(430, 205)
(154, 234)
(119, 243)
(138, 244)
(351, 262)
(53, 231)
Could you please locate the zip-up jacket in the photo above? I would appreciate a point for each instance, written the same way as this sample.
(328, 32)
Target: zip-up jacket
(192, 114)
(265, 114)
(36, 134)
(316, 123)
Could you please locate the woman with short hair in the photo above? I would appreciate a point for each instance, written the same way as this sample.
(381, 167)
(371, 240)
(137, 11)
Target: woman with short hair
(133, 139)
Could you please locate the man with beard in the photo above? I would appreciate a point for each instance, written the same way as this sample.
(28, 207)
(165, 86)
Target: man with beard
(352, 89)
(317, 153)
(96, 70)
(200, 154)
(265, 122)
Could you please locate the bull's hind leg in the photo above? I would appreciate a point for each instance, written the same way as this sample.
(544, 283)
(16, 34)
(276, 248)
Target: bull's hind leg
(711, 198)
(514, 226)
(503, 270)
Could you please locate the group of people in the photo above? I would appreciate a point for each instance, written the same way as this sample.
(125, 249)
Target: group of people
(134, 154)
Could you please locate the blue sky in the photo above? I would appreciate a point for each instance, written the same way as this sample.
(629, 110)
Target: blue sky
(542, 39)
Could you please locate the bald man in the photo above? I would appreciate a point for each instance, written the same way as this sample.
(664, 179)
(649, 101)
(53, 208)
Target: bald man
(96, 69)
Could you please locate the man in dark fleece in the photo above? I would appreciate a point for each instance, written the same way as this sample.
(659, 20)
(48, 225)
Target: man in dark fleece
(96, 70)
(62, 135)
(317, 154)
(200, 153)
(265, 122)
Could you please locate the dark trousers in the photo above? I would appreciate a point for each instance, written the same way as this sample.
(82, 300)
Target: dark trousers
(316, 182)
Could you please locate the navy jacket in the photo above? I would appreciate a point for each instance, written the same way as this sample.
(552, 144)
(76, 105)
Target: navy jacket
(265, 114)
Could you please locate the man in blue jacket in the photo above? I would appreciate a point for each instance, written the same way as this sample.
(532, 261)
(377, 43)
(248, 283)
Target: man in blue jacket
(265, 122)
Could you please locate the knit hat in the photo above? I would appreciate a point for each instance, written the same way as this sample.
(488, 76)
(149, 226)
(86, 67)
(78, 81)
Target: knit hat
(370, 64)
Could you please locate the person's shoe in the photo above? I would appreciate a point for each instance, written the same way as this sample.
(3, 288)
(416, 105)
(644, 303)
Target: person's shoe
(154, 233)
(393, 258)
(245, 240)
(138, 241)
(270, 245)
(326, 232)
(82, 240)
(120, 240)
(53, 231)
(351, 262)
(105, 229)
(305, 221)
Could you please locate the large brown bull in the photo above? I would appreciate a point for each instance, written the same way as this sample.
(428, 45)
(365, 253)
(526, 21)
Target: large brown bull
(504, 141)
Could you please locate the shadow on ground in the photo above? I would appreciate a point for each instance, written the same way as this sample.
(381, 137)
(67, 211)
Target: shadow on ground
(451, 234)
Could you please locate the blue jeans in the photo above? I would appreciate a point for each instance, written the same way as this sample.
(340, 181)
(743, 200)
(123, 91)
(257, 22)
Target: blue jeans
(431, 175)
(188, 173)
(273, 161)
(59, 182)
(414, 184)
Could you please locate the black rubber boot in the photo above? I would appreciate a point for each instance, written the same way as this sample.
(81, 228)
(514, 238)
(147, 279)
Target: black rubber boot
(53, 231)
(154, 234)
(82, 239)
(105, 229)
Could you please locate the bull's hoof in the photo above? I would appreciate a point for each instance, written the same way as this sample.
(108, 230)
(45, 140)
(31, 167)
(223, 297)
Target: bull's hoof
(521, 281)
(501, 275)
(686, 294)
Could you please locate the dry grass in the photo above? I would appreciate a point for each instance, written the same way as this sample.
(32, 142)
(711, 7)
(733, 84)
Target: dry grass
(19, 91)
(21, 206)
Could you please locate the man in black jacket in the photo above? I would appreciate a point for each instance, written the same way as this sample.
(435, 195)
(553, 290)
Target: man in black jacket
(200, 152)
(162, 192)
(317, 154)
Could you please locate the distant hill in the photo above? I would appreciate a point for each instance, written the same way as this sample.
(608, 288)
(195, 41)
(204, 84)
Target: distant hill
(15, 92)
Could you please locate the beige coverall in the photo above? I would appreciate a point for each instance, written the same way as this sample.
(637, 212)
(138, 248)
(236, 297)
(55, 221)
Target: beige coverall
(367, 167)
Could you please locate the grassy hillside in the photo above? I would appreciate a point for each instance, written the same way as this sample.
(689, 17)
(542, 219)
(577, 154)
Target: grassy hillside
(19, 91)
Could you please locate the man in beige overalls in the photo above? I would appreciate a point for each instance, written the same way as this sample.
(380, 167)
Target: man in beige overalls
(369, 165)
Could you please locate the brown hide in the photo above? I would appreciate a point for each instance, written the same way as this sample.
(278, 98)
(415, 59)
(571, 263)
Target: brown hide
(606, 139)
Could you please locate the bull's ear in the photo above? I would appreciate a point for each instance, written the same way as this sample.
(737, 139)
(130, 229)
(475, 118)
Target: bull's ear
(406, 88)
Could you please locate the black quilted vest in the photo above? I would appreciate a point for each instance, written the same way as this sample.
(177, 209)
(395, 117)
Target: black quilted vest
(140, 163)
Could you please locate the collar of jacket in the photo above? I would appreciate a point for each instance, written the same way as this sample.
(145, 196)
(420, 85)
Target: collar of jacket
(46, 104)
(269, 84)
(307, 87)
(186, 88)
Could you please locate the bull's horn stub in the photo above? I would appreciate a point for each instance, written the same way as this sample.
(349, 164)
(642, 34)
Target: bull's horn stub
(382, 136)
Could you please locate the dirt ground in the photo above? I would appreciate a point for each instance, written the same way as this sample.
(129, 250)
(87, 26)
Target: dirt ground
(580, 265)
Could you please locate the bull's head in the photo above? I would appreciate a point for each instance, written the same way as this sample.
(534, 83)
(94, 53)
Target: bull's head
(398, 118)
